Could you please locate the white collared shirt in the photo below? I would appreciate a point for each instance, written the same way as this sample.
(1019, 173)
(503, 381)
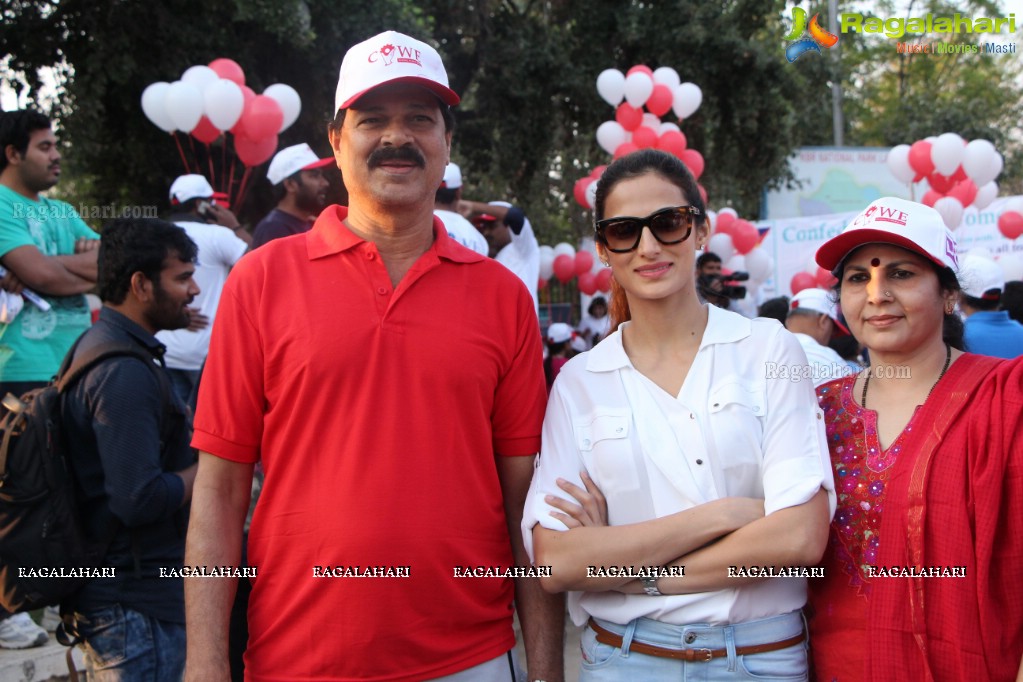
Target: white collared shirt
(731, 431)
(826, 364)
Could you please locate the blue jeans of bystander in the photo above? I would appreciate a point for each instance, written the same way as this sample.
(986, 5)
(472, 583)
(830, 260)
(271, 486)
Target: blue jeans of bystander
(122, 645)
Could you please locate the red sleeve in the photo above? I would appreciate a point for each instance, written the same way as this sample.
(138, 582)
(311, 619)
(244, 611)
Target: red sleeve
(521, 395)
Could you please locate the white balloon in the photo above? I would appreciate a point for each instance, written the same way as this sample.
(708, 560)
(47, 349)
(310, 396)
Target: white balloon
(688, 98)
(997, 162)
(611, 86)
(223, 102)
(729, 210)
(977, 161)
(666, 126)
(591, 194)
(947, 153)
(638, 86)
(898, 163)
(199, 76)
(712, 219)
(154, 106)
(564, 249)
(985, 195)
(651, 122)
(736, 263)
(289, 101)
(546, 262)
(184, 105)
(666, 75)
(610, 134)
(721, 245)
(1012, 266)
(759, 265)
(951, 210)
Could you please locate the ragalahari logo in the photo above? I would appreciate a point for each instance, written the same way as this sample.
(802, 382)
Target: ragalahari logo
(813, 42)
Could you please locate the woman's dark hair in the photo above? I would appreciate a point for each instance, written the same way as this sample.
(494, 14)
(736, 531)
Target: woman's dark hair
(632, 166)
(131, 245)
(952, 327)
(1012, 300)
(596, 300)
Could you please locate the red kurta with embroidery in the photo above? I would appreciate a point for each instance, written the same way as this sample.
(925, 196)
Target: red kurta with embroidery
(943, 504)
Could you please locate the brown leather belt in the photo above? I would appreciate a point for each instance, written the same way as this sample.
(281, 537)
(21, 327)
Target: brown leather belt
(605, 636)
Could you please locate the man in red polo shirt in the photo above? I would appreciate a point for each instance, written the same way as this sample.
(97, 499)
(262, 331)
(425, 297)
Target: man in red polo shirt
(396, 411)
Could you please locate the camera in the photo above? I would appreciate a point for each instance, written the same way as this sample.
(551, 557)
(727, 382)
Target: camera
(714, 286)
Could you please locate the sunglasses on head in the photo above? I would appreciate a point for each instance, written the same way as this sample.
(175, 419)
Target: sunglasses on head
(668, 226)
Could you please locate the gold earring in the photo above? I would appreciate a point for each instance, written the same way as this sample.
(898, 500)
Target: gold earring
(949, 307)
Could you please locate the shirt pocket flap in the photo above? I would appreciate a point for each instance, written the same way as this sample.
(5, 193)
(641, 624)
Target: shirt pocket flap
(601, 427)
(735, 394)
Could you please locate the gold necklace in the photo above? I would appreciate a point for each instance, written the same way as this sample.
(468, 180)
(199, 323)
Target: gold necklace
(948, 361)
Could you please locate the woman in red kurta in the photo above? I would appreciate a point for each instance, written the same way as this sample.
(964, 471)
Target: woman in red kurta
(923, 569)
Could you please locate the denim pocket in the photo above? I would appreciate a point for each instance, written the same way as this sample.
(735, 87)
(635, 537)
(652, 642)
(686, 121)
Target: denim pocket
(596, 655)
(789, 663)
(105, 635)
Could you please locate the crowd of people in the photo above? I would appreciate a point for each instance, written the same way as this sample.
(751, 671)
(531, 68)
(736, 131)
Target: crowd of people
(340, 446)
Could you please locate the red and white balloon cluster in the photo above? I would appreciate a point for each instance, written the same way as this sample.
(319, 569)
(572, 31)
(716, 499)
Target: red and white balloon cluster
(564, 263)
(737, 243)
(959, 174)
(641, 97)
(212, 100)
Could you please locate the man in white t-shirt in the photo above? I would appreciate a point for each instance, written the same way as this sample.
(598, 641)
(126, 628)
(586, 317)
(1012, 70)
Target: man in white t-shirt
(511, 239)
(221, 243)
(813, 320)
(446, 208)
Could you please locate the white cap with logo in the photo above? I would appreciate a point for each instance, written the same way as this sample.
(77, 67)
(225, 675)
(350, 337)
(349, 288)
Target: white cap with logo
(819, 301)
(391, 57)
(452, 176)
(979, 275)
(899, 222)
(291, 160)
(559, 332)
(190, 186)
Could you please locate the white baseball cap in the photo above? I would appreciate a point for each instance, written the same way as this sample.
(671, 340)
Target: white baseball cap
(291, 160)
(979, 275)
(559, 332)
(391, 57)
(819, 301)
(190, 187)
(899, 222)
(452, 176)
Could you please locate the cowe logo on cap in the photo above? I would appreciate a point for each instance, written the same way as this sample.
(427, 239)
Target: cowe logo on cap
(405, 55)
(885, 214)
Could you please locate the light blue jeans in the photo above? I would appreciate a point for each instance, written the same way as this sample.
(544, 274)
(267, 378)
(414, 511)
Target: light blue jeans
(122, 645)
(605, 663)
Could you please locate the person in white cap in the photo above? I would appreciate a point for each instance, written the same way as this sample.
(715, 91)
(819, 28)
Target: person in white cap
(221, 241)
(397, 454)
(813, 319)
(921, 577)
(511, 239)
(446, 207)
(988, 330)
(300, 188)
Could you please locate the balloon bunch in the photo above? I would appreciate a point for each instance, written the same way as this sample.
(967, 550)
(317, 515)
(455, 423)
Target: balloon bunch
(658, 92)
(564, 262)
(737, 243)
(959, 174)
(210, 101)
(813, 276)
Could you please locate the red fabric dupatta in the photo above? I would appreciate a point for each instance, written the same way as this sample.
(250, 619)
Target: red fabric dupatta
(956, 504)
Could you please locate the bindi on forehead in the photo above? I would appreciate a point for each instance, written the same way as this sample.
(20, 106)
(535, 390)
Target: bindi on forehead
(875, 262)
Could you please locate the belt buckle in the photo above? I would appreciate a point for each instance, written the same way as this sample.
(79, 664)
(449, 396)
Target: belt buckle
(703, 655)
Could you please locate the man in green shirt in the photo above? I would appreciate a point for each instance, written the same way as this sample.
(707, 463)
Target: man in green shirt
(44, 246)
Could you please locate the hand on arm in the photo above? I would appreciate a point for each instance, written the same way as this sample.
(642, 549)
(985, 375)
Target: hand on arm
(220, 501)
(541, 615)
(52, 275)
(196, 320)
(224, 216)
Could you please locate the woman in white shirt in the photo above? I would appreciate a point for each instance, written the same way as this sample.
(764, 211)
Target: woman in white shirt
(690, 437)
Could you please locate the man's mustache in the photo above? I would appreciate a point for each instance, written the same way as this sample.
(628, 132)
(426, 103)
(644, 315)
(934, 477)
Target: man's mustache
(385, 154)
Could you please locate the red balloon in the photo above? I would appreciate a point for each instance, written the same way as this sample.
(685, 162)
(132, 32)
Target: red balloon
(960, 174)
(930, 197)
(644, 137)
(205, 131)
(920, 157)
(564, 268)
(579, 191)
(604, 280)
(659, 102)
(541, 284)
(239, 127)
(725, 223)
(229, 69)
(673, 142)
(802, 280)
(583, 262)
(628, 116)
(588, 283)
(940, 183)
(254, 152)
(694, 161)
(625, 148)
(642, 68)
(1010, 224)
(263, 117)
(598, 171)
(745, 236)
(825, 280)
(965, 191)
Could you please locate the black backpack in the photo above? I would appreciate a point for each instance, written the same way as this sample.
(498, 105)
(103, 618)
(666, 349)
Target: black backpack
(41, 531)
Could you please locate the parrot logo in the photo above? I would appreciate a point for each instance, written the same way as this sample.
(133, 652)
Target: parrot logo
(817, 39)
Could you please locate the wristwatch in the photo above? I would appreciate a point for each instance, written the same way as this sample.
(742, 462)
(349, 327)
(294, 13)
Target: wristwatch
(650, 586)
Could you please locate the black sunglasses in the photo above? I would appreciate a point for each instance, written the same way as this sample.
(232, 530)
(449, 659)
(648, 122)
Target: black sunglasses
(668, 226)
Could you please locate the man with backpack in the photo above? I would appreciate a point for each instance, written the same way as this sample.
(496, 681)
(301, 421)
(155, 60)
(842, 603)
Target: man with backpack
(130, 459)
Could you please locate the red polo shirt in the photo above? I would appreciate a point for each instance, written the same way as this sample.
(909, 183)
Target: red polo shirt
(377, 412)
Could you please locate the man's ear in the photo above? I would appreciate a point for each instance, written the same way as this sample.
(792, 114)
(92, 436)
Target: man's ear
(290, 186)
(141, 287)
(14, 157)
(334, 135)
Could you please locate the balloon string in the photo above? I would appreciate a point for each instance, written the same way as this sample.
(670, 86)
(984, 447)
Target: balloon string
(242, 190)
(223, 166)
(191, 143)
(230, 183)
(209, 159)
(180, 150)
